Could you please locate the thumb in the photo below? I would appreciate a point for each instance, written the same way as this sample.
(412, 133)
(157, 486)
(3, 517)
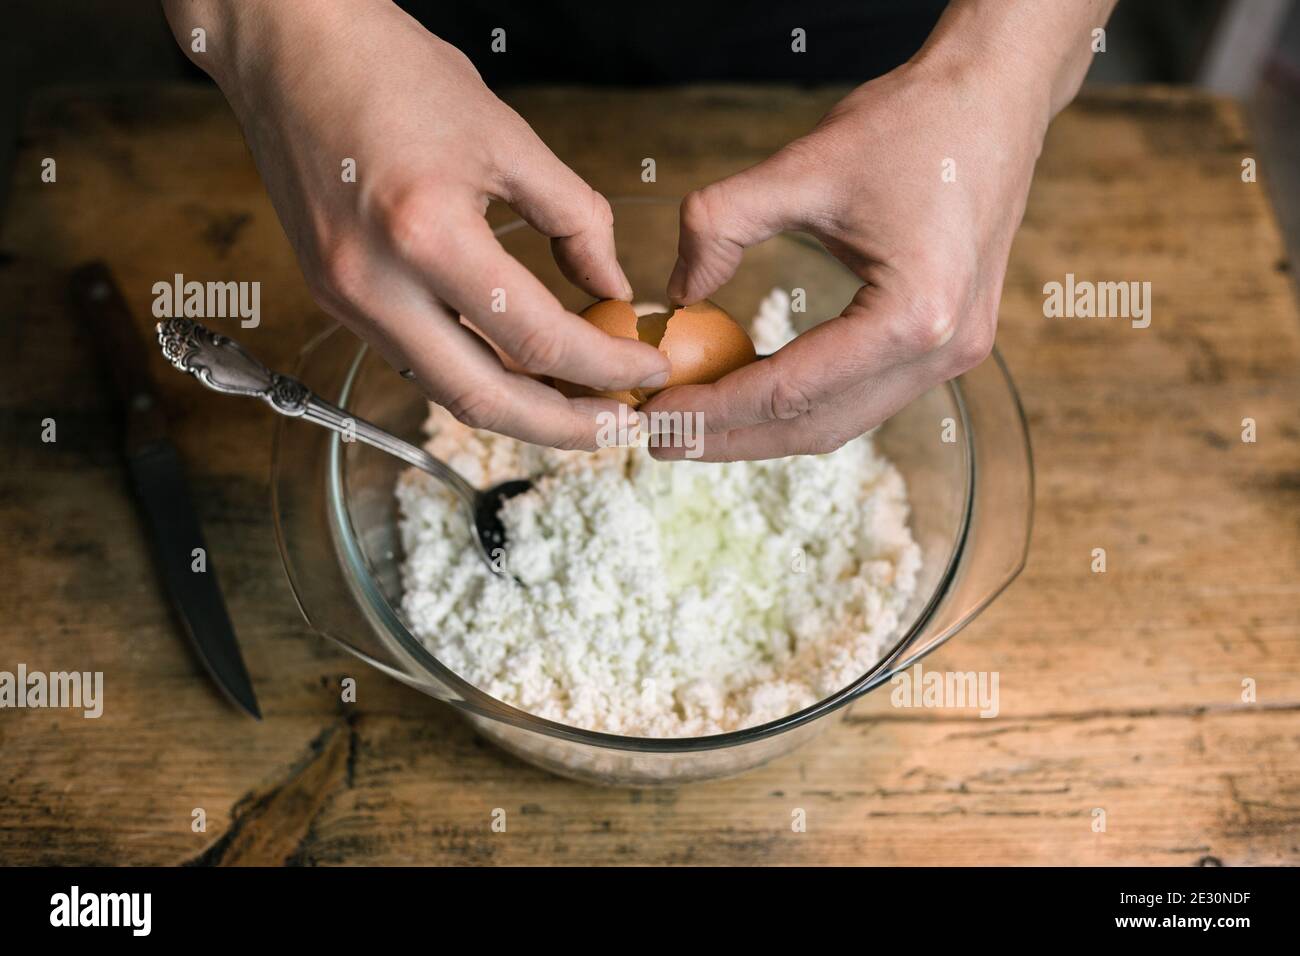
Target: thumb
(557, 202)
(720, 221)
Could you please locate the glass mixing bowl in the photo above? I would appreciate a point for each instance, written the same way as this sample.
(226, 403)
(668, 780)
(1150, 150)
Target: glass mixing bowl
(962, 447)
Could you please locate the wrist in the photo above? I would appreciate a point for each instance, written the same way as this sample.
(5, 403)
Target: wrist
(212, 48)
(1016, 114)
(1030, 58)
(241, 39)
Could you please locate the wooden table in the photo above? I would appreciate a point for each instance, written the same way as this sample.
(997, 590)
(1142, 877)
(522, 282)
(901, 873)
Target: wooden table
(1120, 691)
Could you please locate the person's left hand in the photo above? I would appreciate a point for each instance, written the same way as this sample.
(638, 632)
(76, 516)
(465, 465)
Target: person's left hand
(868, 182)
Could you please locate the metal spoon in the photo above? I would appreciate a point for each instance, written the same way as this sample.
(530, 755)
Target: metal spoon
(222, 365)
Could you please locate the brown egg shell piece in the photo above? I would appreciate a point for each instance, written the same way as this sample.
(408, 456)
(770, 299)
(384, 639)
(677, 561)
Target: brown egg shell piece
(703, 343)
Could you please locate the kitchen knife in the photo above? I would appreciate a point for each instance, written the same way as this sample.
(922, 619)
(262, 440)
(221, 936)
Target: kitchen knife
(161, 492)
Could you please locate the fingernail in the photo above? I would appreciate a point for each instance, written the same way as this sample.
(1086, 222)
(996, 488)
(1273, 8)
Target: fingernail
(655, 381)
(677, 281)
(666, 452)
(627, 286)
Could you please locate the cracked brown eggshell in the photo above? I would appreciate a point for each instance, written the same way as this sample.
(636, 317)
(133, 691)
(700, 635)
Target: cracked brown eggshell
(701, 342)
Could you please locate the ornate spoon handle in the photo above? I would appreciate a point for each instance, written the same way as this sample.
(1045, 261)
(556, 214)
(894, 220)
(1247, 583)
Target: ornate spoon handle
(223, 365)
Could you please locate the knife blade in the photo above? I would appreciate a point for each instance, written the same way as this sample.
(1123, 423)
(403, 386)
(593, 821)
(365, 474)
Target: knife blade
(161, 490)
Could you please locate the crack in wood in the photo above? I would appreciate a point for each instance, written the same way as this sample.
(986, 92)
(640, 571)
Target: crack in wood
(1023, 722)
(270, 828)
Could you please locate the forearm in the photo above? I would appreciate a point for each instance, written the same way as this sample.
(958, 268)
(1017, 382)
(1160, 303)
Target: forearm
(1039, 51)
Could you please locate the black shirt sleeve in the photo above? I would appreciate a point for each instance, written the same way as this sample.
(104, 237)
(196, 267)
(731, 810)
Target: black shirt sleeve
(643, 42)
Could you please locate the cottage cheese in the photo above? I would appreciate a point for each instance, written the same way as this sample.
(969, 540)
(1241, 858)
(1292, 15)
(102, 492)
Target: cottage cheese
(661, 599)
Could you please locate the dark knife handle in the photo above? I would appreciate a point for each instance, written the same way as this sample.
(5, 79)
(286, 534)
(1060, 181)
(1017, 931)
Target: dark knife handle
(125, 352)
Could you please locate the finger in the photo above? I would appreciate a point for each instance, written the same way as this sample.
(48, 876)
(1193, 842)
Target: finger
(555, 201)
(522, 407)
(718, 222)
(458, 370)
(858, 346)
(833, 420)
(757, 443)
(820, 431)
(465, 266)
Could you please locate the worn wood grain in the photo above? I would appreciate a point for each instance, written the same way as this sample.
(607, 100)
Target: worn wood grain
(1119, 691)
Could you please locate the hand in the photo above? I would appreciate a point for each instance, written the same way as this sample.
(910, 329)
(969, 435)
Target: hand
(869, 183)
(402, 253)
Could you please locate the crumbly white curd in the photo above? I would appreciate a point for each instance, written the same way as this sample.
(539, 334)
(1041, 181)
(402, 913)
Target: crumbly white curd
(661, 599)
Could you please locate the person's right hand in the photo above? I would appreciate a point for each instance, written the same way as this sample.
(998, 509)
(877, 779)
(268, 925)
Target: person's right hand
(405, 251)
